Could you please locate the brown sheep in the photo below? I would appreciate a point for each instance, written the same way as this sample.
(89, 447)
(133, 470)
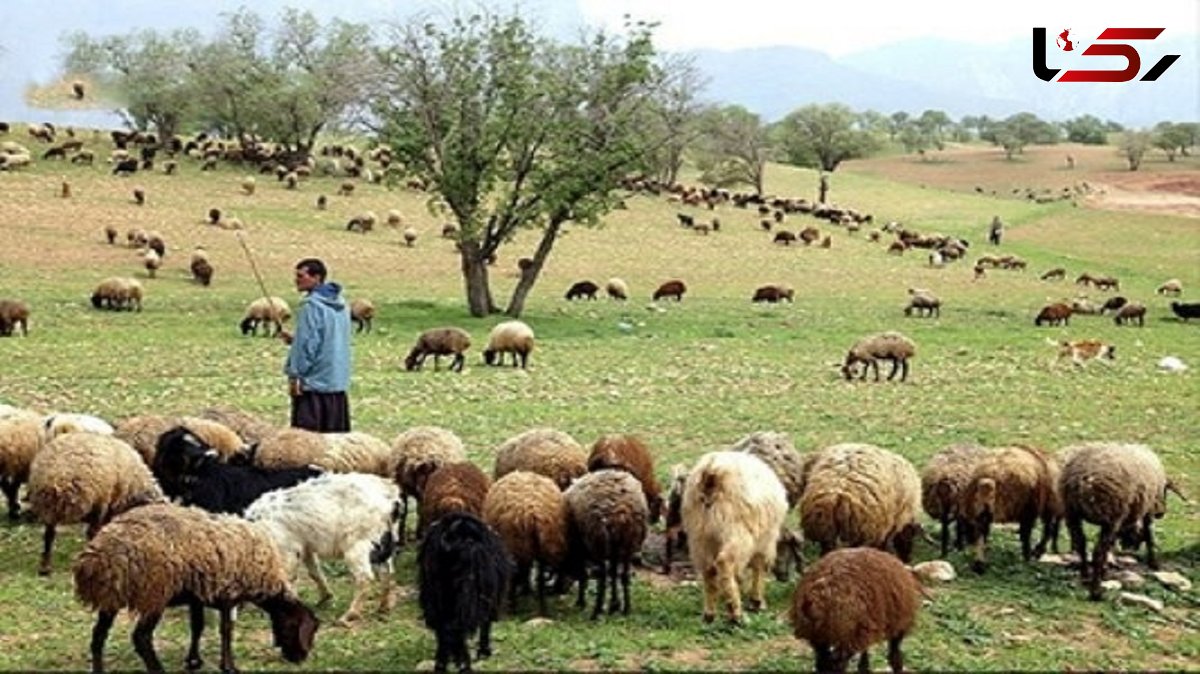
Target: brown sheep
(439, 342)
(784, 237)
(544, 451)
(773, 293)
(673, 288)
(12, 314)
(362, 312)
(1054, 314)
(869, 350)
(1134, 311)
(851, 599)
(530, 514)
(607, 516)
(630, 454)
(942, 483)
(1056, 274)
(452, 487)
(1011, 484)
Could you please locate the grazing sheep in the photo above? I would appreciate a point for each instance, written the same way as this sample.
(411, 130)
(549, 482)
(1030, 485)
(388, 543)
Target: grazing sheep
(12, 314)
(733, 508)
(143, 432)
(674, 288)
(202, 270)
(345, 189)
(1082, 305)
(110, 234)
(544, 451)
(364, 222)
(785, 237)
(170, 166)
(773, 293)
(851, 599)
(924, 303)
(861, 495)
(462, 572)
(1186, 310)
(449, 231)
(868, 351)
(265, 311)
(54, 425)
(1120, 487)
(322, 202)
(125, 167)
(416, 454)
(1011, 484)
(450, 488)
(810, 235)
(20, 440)
(1113, 304)
(778, 452)
(617, 289)
(86, 477)
(118, 293)
(439, 342)
(349, 515)
(248, 185)
(164, 555)
(942, 482)
(529, 512)
(139, 196)
(410, 236)
(152, 261)
(898, 248)
(214, 216)
(607, 522)
(581, 289)
(1054, 314)
(1170, 287)
(1056, 274)
(630, 454)
(513, 337)
(362, 312)
(1133, 311)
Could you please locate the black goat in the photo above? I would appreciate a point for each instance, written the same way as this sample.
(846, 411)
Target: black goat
(187, 468)
(462, 571)
(1186, 310)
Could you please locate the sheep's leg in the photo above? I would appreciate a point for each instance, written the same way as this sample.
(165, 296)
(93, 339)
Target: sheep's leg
(1049, 533)
(980, 563)
(581, 599)
(625, 585)
(1108, 536)
(1025, 532)
(864, 662)
(1078, 542)
(143, 641)
(439, 660)
(1147, 525)
(462, 655)
(601, 584)
(361, 587)
(104, 623)
(758, 578)
(541, 588)
(47, 546)
(827, 660)
(10, 489)
(895, 657)
(614, 574)
(728, 582)
(895, 368)
(314, 571)
(945, 534)
(459, 360)
(710, 592)
(387, 588)
(226, 613)
(903, 369)
(196, 621)
(485, 640)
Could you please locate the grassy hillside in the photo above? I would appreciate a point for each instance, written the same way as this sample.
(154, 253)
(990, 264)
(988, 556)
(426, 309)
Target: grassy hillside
(688, 377)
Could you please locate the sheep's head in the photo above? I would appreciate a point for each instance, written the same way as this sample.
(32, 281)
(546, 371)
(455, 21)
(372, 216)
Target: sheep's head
(489, 356)
(293, 626)
(410, 362)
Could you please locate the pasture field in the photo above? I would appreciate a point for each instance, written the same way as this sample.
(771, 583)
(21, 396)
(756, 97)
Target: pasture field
(689, 378)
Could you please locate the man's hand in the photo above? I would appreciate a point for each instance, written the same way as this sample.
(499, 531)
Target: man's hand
(294, 388)
(284, 336)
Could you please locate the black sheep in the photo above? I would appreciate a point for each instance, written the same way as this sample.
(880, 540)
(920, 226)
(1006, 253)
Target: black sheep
(462, 572)
(187, 467)
(126, 166)
(1186, 310)
(583, 289)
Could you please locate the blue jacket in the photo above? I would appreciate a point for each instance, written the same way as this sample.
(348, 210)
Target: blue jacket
(320, 353)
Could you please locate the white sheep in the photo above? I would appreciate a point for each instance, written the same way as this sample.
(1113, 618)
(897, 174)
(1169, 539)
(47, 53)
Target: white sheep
(347, 515)
(733, 508)
(513, 337)
(54, 425)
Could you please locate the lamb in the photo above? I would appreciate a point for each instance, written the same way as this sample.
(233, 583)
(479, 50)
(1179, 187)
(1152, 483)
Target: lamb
(674, 288)
(265, 311)
(607, 521)
(462, 571)
(617, 289)
(544, 451)
(1120, 487)
(891, 346)
(117, 293)
(630, 454)
(1186, 310)
(86, 477)
(13, 313)
(851, 599)
(942, 482)
(20, 440)
(773, 293)
(581, 289)
(733, 508)
(529, 512)
(1011, 484)
(778, 452)
(362, 312)
(164, 555)
(453, 487)
(513, 337)
(439, 342)
(1133, 311)
(924, 303)
(351, 516)
(1054, 314)
(861, 495)
(1170, 287)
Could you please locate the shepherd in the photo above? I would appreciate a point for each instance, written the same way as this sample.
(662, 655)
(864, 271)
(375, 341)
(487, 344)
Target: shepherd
(318, 361)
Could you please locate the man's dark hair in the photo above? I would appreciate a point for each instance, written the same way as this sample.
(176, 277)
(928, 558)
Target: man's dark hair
(313, 267)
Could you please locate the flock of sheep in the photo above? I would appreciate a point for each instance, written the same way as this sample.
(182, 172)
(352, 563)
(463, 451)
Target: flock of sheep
(221, 508)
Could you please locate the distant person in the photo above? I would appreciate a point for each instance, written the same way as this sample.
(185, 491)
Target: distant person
(318, 361)
(996, 231)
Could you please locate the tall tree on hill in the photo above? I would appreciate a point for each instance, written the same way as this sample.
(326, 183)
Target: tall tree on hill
(734, 148)
(515, 132)
(823, 136)
(675, 115)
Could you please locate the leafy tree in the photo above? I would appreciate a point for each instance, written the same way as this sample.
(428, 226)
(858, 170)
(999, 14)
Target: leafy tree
(1086, 129)
(972, 123)
(875, 122)
(1019, 130)
(1133, 147)
(1189, 133)
(898, 120)
(676, 113)
(823, 136)
(734, 147)
(935, 122)
(1171, 138)
(513, 131)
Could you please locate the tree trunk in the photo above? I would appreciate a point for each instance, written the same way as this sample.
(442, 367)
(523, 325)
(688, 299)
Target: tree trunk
(475, 276)
(529, 275)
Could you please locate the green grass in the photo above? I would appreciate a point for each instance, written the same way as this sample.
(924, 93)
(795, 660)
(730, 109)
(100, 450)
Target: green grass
(688, 377)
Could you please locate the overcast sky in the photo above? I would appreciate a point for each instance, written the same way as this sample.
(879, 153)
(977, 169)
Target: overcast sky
(839, 27)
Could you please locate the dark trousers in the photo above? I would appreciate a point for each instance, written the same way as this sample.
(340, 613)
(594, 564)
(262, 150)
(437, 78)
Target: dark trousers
(321, 412)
